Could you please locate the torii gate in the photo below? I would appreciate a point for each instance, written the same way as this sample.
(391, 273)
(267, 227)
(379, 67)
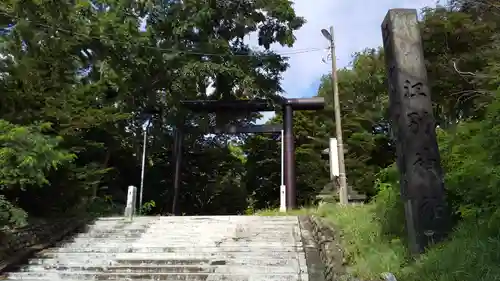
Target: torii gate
(255, 105)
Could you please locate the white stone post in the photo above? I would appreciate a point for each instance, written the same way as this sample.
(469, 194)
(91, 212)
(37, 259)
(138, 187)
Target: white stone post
(283, 198)
(282, 186)
(131, 201)
(334, 159)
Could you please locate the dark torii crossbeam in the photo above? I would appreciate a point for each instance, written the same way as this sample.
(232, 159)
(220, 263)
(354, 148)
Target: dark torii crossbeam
(255, 105)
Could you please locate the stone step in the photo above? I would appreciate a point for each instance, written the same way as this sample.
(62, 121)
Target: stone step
(200, 220)
(217, 225)
(119, 233)
(194, 226)
(199, 230)
(148, 243)
(99, 230)
(249, 261)
(215, 276)
(181, 234)
(176, 247)
(181, 249)
(221, 218)
(276, 237)
(122, 226)
(166, 243)
(230, 268)
(179, 230)
(188, 223)
(168, 255)
(231, 248)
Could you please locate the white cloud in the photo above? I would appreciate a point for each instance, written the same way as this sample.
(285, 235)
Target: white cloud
(357, 26)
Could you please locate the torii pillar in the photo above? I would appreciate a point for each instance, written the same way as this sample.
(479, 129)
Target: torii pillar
(289, 105)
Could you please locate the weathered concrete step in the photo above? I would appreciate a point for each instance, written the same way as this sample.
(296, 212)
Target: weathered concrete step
(186, 236)
(222, 218)
(176, 247)
(113, 225)
(182, 249)
(180, 230)
(65, 247)
(172, 239)
(248, 261)
(179, 244)
(121, 227)
(241, 222)
(201, 220)
(112, 232)
(154, 269)
(233, 221)
(106, 223)
(167, 256)
(255, 276)
(101, 231)
(219, 223)
(272, 233)
(218, 231)
(237, 248)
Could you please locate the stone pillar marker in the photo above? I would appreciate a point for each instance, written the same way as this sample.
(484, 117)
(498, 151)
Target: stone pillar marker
(413, 127)
(131, 201)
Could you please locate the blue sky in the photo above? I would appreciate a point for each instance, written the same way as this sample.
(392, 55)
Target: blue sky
(357, 26)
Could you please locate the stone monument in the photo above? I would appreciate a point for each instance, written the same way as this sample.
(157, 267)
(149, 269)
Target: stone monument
(413, 126)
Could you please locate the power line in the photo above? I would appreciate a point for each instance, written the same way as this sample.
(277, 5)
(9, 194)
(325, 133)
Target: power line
(263, 53)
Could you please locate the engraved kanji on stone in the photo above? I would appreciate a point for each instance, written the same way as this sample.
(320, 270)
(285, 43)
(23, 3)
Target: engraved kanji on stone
(425, 159)
(420, 122)
(412, 90)
(432, 211)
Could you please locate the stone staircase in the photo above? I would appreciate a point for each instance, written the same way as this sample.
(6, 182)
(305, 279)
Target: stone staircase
(210, 248)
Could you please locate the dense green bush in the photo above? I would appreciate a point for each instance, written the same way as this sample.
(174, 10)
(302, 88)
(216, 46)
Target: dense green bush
(26, 157)
(27, 154)
(470, 156)
(10, 215)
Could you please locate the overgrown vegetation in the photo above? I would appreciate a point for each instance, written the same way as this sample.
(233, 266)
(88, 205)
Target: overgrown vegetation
(375, 240)
(79, 80)
(277, 212)
(467, 108)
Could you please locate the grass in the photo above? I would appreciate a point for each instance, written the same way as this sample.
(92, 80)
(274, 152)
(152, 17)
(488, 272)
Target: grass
(368, 251)
(471, 254)
(373, 239)
(276, 212)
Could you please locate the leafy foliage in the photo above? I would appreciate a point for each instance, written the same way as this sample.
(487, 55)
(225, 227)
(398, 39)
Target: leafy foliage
(97, 70)
(10, 215)
(27, 155)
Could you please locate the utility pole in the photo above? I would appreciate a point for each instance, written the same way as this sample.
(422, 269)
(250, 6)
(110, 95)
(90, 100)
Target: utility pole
(329, 35)
(143, 165)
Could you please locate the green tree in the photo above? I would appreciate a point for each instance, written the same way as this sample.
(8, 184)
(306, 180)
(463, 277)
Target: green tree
(27, 156)
(87, 68)
(365, 124)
